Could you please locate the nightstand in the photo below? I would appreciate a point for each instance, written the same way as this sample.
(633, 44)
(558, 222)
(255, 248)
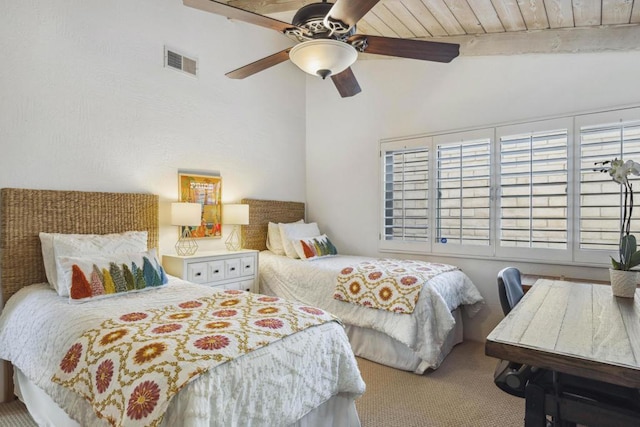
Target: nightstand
(222, 269)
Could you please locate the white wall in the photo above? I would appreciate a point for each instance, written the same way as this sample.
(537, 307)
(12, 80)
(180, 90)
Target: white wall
(86, 103)
(405, 97)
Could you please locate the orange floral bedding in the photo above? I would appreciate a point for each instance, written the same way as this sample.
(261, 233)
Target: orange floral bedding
(387, 284)
(131, 366)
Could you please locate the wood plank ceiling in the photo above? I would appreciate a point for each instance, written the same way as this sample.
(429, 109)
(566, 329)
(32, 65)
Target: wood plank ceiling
(493, 27)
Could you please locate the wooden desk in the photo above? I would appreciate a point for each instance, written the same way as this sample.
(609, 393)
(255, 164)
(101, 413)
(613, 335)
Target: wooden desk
(575, 328)
(579, 329)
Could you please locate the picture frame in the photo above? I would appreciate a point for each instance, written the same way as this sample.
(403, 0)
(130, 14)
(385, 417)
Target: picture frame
(205, 189)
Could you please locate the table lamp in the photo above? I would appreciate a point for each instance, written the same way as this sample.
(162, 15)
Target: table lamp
(186, 215)
(236, 215)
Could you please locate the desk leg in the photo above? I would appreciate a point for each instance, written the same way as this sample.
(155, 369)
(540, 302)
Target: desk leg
(534, 414)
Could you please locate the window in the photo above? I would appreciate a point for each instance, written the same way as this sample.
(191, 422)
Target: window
(533, 202)
(603, 137)
(406, 195)
(527, 191)
(463, 193)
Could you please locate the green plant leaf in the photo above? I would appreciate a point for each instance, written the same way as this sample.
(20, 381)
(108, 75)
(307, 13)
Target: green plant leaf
(615, 264)
(635, 260)
(627, 249)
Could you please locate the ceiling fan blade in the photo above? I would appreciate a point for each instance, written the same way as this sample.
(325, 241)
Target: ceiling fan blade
(346, 83)
(350, 11)
(409, 48)
(239, 14)
(259, 65)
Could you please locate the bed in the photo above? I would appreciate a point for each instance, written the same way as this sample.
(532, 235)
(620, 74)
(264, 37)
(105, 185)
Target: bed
(413, 342)
(268, 386)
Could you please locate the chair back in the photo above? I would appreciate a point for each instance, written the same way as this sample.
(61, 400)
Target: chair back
(509, 288)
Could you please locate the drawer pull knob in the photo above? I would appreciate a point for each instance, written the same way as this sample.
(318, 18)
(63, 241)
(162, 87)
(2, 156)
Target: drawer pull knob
(247, 266)
(198, 274)
(232, 269)
(216, 271)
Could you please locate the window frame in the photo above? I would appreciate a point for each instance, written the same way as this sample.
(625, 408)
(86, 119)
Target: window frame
(573, 254)
(451, 139)
(594, 256)
(393, 245)
(534, 253)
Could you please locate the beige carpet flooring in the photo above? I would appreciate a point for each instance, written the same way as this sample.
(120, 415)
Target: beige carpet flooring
(460, 393)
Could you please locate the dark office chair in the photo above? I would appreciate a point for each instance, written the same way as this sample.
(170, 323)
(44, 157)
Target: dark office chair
(509, 376)
(509, 288)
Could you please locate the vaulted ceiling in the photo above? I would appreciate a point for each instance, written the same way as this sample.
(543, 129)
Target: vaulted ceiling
(493, 27)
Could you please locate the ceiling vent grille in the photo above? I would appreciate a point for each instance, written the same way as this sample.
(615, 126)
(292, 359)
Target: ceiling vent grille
(180, 62)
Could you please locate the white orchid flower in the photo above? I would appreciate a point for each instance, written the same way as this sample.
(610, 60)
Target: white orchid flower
(633, 167)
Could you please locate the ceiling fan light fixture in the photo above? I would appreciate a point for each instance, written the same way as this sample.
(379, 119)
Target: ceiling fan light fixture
(323, 57)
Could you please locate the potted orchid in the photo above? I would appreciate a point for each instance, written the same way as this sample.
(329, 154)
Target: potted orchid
(623, 278)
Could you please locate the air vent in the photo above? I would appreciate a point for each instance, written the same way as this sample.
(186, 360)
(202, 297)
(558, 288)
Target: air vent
(180, 62)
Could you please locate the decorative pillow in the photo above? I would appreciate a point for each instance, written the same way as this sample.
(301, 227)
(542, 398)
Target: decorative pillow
(74, 245)
(314, 247)
(290, 232)
(274, 239)
(94, 277)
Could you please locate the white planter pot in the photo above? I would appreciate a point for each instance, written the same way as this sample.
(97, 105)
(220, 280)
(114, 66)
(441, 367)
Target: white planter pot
(623, 283)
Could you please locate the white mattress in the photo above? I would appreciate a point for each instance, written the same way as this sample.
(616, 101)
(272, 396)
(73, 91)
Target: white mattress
(426, 331)
(271, 386)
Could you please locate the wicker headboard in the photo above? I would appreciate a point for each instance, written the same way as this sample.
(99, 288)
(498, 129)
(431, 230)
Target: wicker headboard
(261, 212)
(25, 213)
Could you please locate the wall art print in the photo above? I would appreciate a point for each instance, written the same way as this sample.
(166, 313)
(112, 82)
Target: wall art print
(206, 190)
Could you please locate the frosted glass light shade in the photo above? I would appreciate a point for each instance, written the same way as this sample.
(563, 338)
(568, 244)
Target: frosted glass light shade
(183, 213)
(323, 57)
(235, 214)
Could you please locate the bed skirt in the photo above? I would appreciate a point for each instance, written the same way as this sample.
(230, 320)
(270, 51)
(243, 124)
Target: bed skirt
(381, 348)
(336, 412)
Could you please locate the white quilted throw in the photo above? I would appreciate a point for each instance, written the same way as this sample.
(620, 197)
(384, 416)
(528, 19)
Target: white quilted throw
(131, 366)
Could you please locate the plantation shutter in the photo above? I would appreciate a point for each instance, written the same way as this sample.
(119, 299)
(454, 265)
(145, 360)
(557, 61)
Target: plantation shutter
(463, 202)
(405, 196)
(533, 203)
(600, 196)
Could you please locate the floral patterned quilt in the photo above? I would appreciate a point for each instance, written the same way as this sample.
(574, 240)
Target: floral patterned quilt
(130, 367)
(387, 284)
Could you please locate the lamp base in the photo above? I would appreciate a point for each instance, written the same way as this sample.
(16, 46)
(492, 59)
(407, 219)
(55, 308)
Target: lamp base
(234, 241)
(186, 245)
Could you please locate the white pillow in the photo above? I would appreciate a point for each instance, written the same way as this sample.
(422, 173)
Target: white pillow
(290, 232)
(73, 245)
(274, 238)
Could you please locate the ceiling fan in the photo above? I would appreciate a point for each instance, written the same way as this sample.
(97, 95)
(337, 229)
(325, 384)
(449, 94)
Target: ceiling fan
(328, 43)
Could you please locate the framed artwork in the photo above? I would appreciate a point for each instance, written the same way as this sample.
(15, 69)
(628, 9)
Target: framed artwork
(206, 190)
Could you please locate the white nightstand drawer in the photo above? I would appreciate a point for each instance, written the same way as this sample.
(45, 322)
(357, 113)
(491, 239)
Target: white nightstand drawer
(216, 270)
(248, 267)
(245, 285)
(219, 269)
(197, 272)
(232, 268)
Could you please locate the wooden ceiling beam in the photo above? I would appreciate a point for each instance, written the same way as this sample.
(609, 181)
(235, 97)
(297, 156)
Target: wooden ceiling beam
(266, 7)
(566, 40)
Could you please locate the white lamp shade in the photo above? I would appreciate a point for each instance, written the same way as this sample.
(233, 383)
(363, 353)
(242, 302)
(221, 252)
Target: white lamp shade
(317, 56)
(183, 213)
(235, 214)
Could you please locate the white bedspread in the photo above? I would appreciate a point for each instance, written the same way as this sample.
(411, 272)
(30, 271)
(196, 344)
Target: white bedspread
(424, 331)
(273, 386)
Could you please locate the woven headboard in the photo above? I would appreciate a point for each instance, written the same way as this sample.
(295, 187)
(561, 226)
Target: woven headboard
(25, 213)
(261, 212)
